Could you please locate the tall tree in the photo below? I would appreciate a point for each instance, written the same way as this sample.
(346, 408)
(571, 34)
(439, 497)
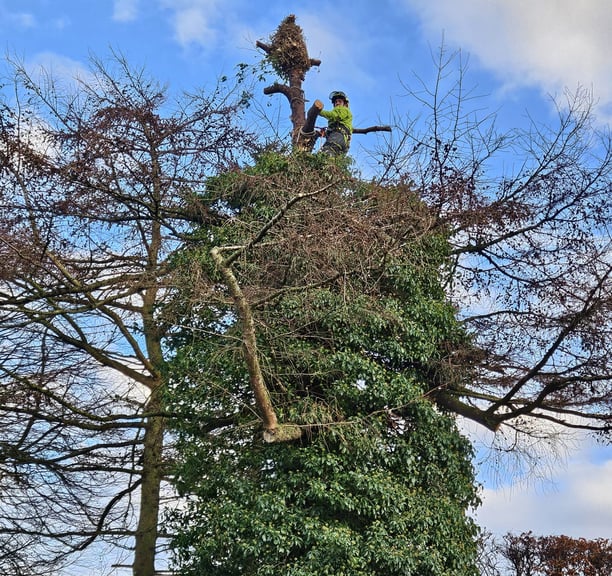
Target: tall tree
(97, 188)
(528, 271)
(346, 467)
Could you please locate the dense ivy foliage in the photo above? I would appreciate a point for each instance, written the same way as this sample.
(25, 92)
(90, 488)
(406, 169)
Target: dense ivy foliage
(352, 327)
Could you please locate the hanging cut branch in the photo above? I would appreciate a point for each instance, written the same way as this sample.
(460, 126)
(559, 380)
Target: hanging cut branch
(273, 432)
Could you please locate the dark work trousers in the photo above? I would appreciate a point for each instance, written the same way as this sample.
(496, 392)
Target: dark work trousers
(335, 143)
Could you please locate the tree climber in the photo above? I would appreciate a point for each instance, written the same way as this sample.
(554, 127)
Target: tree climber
(340, 124)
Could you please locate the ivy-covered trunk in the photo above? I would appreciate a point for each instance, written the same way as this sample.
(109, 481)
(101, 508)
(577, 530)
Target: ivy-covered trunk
(351, 328)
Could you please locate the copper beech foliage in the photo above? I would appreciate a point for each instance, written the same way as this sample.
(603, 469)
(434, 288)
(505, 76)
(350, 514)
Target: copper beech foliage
(530, 555)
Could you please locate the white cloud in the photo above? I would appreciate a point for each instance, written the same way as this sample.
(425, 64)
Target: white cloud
(21, 19)
(61, 69)
(125, 10)
(193, 20)
(550, 44)
(553, 481)
(580, 505)
(341, 61)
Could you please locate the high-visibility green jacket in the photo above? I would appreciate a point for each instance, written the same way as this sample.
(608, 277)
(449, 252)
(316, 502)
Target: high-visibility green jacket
(341, 115)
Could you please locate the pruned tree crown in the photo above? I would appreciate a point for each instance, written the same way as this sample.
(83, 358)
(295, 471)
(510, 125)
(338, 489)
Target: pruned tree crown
(288, 53)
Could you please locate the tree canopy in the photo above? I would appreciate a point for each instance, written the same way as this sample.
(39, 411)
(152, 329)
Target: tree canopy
(343, 285)
(530, 272)
(317, 312)
(529, 555)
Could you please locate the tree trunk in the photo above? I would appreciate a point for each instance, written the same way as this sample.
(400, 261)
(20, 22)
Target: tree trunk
(146, 532)
(153, 442)
(307, 136)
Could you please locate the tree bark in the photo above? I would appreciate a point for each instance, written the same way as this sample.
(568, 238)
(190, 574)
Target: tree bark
(249, 342)
(371, 129)
(153, 442)
(307, 135)
(147, 529)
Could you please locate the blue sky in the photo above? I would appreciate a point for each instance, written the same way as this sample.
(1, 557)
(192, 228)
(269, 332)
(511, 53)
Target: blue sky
(520, 52)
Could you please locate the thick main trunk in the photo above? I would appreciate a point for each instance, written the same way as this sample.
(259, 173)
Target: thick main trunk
(153, 442)
(147, 529)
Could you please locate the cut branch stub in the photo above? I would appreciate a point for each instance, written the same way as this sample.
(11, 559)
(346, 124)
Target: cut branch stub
(371, 129)
(282, 433)
(308, 135)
